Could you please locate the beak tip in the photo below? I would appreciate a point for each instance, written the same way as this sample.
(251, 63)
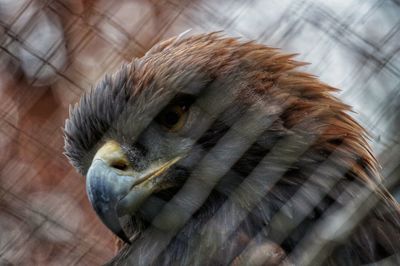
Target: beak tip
(103, 195)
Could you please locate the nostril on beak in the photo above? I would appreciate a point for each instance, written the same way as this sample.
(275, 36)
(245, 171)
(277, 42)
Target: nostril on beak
(111, 153)
(120, 165)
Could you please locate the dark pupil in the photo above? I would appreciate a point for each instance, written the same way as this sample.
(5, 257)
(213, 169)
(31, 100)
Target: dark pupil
(171, 118)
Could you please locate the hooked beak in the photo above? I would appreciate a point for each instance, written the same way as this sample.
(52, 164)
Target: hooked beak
(115, 191)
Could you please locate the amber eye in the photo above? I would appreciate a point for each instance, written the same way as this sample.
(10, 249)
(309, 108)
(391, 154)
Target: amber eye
(173, 117)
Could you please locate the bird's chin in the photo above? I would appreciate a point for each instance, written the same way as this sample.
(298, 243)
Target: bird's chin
(145, 209)
(134, 224)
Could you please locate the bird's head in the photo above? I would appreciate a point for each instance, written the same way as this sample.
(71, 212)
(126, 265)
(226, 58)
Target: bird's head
(192, 119)
(140, 133)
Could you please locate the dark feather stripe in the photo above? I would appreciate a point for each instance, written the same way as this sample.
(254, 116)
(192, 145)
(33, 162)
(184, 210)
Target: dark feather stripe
(215, 132)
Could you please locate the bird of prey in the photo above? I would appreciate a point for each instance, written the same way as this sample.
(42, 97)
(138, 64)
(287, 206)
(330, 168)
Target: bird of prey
(210, 150)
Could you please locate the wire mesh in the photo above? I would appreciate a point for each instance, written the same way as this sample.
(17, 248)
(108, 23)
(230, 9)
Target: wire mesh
(53, 51)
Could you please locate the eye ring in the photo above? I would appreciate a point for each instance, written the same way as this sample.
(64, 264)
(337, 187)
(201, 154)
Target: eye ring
(175, 115)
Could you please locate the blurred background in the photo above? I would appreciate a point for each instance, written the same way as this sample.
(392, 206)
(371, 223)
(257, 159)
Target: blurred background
(53, 51)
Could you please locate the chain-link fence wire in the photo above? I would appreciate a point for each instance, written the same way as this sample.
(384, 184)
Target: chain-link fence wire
(53, 51)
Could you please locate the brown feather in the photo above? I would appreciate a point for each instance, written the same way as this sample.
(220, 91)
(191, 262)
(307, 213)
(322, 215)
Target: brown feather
(256, 73)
